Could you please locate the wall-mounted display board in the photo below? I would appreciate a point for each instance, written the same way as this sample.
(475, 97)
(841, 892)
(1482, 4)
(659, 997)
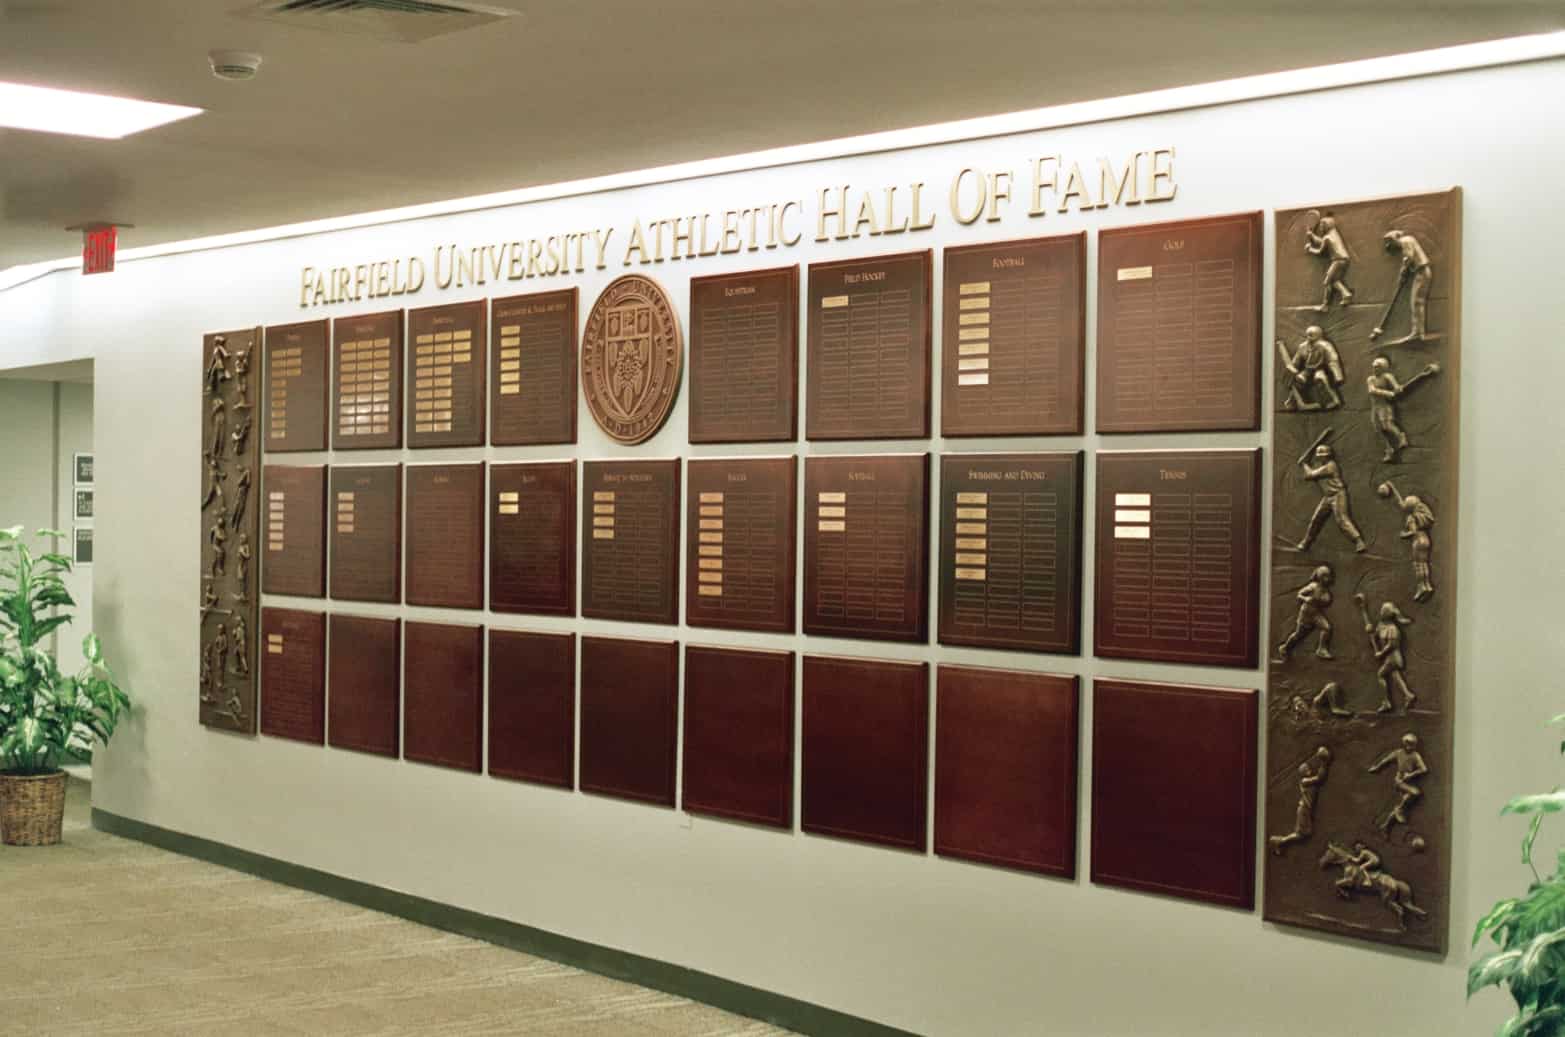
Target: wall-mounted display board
(869, 348)
(1010, 551)
(295, 556)
(1014, 336)
(866, 546)
(744, 357)
(294, 417)
(445, 535)
(1179, 326)
(230, 530)
(364, 684)
(532, 538)
(632, 355)
(365, 517)
(443, 695)
(293, 674)
(739, 524)
(532, 706)
(738, 750)
(367, 382)
(629, 718)
(445, 389)
(630, 540)
(1178, 556)
(532, 378)
(865, 750)
(1005, 768)
(1173, 790)
(1361, 681)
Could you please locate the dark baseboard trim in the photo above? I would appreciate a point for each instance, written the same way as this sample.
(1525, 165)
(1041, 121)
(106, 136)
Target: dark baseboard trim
(726, 994)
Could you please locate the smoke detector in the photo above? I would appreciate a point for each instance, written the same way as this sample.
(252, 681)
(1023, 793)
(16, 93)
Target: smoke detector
(234, 64)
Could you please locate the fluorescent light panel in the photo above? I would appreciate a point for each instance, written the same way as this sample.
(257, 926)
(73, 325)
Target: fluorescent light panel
(48, 110)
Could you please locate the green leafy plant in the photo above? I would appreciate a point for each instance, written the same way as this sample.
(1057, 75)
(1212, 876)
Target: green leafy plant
(43, 712)
(1530, 933)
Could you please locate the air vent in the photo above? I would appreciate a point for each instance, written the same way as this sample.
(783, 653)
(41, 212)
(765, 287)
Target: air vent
(407, 21)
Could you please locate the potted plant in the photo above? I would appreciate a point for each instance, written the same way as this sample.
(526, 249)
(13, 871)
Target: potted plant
(43, 712)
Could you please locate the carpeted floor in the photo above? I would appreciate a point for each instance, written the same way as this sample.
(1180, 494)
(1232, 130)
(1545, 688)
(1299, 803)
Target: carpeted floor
(110, 937)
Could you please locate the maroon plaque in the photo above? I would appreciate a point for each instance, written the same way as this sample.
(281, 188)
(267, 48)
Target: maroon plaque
(532, 538)
(532, 385)
(1005, 768)
(443, 695)
(293, 674)
(446, 379)
(445, 542)
(865, 547)
(367, 382)
(295, 531)
(1014, 336)
(738, 760)
(744, 357)
(1173, 790)
(1010, 551)
(740, 556)
(869, 346)
(1178, 545)
(532, 706)
(363, 684)
(866, 750)
(630, 540)
(295, 412)
(366, 533)
(1179, 326)
(629, 717)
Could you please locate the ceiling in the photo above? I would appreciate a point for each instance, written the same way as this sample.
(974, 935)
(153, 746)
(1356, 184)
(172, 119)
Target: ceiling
(338, 124)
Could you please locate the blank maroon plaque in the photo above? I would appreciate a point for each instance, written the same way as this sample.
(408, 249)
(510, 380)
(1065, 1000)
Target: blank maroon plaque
(866, 750)
(295, 556)
(532, 706)
(1010, 551)
(367, 382)
(1014, 335)
(366, 533)
(740, 557)
(445, 542)
(1179, 555)
(293, 674)
(1173, 790)
(1005, 768)
(532, 387)
(866, 551)
(364, 684)
(869, 346)
(295, 413)
(629, 718)
(739, 735)
(446, 377)
(630, 540)
(443, 695)
(1179, 326)
(532, 538)
(744, 357)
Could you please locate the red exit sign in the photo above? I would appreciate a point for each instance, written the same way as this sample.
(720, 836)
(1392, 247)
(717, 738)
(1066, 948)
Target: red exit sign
(98, 247)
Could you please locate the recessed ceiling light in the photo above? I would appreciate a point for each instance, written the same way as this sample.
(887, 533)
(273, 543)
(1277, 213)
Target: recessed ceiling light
(48, 110)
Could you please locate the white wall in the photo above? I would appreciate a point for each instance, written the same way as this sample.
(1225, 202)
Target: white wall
(916, 941)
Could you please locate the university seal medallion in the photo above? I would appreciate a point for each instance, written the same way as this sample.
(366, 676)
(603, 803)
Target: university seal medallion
(631, 357)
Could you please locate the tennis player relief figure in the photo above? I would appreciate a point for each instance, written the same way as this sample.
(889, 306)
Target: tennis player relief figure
(1362, 634)
(631, 357)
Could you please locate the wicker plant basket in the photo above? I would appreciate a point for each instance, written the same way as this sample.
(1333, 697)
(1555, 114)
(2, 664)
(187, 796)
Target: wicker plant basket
(32, 809)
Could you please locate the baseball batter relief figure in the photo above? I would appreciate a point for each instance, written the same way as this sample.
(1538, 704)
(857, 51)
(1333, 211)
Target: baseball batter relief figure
(1417, 521)
(1384, 391)
(1410, 768)
(1312, 774)
(1313, 598)
(1324, 239)
(1414, 277)
(1316, 370)
(1334, 503)
(1385, 640)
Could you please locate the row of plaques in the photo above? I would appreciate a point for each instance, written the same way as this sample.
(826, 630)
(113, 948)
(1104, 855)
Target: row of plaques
(1177, 343)
(1005, 743)
(1176, 533)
